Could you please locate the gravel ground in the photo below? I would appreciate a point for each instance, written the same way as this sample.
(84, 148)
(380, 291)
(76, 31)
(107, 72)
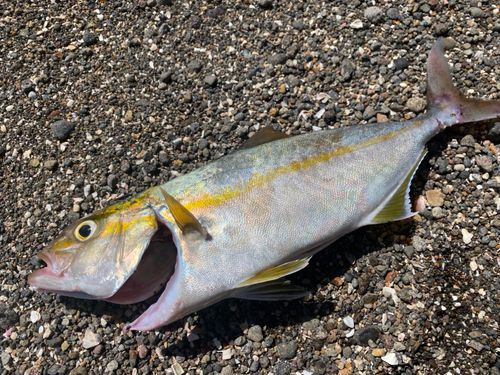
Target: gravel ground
(103, 99)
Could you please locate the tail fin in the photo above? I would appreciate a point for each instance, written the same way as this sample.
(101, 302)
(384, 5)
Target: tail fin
(441, 89)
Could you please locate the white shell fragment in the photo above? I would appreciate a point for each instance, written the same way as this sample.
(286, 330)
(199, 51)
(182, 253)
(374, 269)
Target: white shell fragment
(391, 358)
(356, 24)
(91, 339)
(177, 369)
(390, 292)
(466, 236)
(227, 354)
(473, 265)
(350, 333)
(34, 316)
(348, 321)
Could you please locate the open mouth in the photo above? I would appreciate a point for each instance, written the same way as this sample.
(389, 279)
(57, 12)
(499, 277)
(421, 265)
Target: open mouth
(155, 268)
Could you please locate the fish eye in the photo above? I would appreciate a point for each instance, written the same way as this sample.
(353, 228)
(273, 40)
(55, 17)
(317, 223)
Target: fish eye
(85, 230)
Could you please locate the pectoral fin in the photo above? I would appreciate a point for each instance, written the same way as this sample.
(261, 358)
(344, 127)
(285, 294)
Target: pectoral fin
(184, 219)
(271, 291)
(277, 272)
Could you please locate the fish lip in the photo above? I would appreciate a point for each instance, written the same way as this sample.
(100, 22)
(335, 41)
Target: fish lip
(36, 278)
(50, 268)
(49, 264)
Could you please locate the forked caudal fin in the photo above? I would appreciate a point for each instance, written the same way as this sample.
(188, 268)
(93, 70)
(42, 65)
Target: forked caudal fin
(440, 89)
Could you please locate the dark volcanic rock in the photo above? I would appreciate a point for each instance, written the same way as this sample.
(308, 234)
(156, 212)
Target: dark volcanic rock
(62, 129)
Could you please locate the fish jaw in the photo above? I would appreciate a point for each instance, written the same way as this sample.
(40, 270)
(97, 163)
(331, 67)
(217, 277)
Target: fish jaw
(54, 277)
(167, 309)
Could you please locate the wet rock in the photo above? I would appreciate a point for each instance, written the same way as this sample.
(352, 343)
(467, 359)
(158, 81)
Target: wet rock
(89, 38)
(476, 345)
(8, 317)
(298, 25)
(476, 12)
(265, 4)
(416, 104)
(282, 368)
(62, 129)
(278, 59)
(435, 198)
(255, 334)
(365, 334)
(494, 133)
(468, 141)
(485, 162)
(166, 77)
(401, 63)
(195, 66)
(347, 68)
(287, 350)
(393, 14)
(50, 165)
(374, 14)
(211, 80)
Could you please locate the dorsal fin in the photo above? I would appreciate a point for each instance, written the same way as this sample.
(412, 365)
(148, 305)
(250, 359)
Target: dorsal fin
(184, 219)
(276, 272)
(264, 135)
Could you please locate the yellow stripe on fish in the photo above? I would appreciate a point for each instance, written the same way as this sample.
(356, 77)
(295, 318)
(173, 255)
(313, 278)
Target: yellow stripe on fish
(258, 180)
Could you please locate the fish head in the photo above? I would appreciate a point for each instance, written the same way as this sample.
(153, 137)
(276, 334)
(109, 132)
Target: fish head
(111, 254)
(128, 252)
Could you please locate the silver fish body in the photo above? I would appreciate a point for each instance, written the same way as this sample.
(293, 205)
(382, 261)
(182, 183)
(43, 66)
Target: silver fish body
(264, 211)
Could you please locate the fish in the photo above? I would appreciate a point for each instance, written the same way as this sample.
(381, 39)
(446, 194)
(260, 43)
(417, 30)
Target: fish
(238, 226)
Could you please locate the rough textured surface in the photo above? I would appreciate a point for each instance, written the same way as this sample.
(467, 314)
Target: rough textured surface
(156, 88)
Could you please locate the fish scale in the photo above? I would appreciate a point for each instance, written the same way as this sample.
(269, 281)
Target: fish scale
(237, 226)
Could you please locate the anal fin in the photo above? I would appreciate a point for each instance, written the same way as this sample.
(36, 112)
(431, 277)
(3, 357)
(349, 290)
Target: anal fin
(276, 272)
(399, 207)
(275, 290)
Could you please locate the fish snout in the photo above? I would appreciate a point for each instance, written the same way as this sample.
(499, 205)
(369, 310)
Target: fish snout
(44, 278)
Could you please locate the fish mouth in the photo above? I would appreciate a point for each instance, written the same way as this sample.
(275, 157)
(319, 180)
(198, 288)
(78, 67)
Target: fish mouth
(154, 269)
